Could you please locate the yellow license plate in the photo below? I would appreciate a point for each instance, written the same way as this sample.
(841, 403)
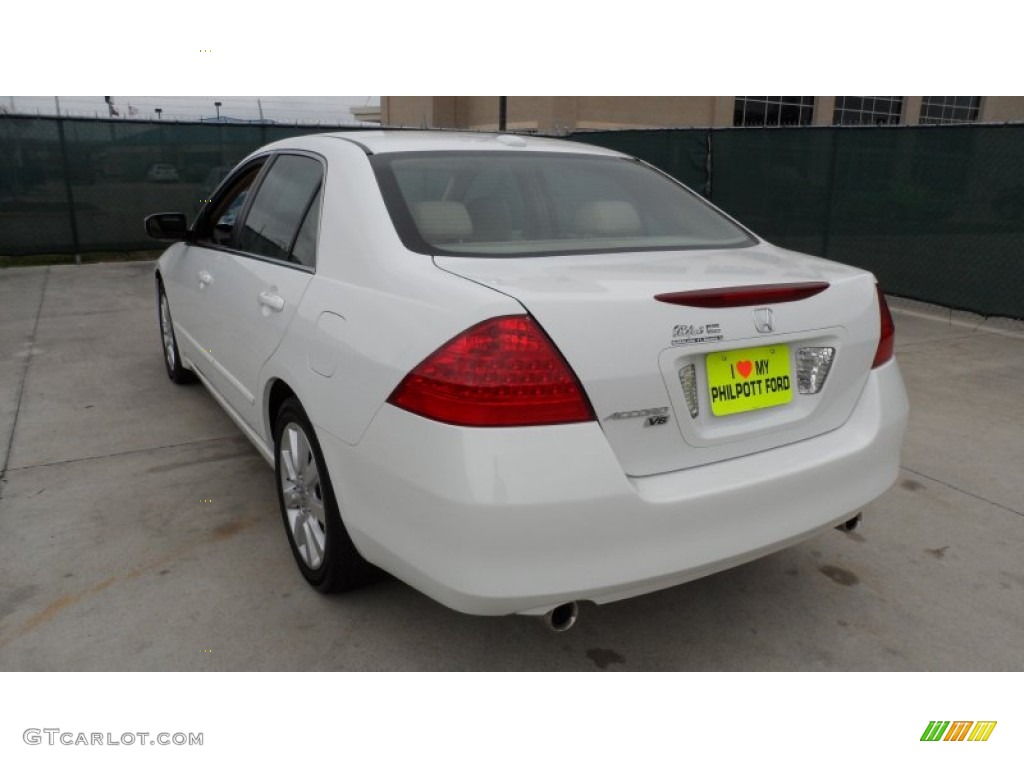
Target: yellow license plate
(748, 379)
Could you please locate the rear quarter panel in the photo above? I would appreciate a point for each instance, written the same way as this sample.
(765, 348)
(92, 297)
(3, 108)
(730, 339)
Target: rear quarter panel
(372, 311)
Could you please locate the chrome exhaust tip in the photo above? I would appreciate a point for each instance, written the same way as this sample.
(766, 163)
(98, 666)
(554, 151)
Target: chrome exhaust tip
(563, 617)
(850, 525)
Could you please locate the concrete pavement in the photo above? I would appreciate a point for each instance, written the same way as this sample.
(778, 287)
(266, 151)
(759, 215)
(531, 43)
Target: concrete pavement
(139, 530)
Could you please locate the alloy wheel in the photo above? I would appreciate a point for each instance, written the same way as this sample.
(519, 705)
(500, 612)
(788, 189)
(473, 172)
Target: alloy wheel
(302, 494)
(167, 332)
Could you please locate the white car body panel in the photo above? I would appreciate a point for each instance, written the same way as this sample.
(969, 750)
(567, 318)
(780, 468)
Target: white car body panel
(503, 520)
(176, 263)
(245, 331)
(379, 338)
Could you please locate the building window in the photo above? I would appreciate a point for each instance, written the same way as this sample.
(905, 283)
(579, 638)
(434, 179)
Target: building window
(944, 110)
(773, 110)
(867, 110)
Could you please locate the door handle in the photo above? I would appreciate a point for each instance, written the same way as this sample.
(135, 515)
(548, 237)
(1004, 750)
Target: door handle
(272, 300)
(205, 278)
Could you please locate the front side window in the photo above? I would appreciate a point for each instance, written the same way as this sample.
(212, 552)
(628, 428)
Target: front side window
(541, 203)
(218, 226)
(274, 226)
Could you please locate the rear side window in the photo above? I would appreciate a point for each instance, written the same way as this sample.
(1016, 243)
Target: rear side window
(283, 221)
(304, 250)
(535, 204)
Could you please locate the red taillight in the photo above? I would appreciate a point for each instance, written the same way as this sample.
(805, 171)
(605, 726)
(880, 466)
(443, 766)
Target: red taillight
(887, 338)
(743, 295)
(502, 372)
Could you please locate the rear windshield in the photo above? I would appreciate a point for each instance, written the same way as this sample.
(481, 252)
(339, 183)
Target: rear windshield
(540, 203)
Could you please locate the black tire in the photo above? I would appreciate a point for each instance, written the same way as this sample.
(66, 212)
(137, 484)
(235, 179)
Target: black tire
(340, 567)
(168, 342)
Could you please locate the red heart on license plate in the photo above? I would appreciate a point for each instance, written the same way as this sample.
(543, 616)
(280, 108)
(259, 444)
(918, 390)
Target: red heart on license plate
(743, 367)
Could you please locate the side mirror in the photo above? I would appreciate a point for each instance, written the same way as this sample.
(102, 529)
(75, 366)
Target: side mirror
(167, 226)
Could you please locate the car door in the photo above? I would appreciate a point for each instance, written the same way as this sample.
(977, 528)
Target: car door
(190, 278)
(202, 264)
(260, 281)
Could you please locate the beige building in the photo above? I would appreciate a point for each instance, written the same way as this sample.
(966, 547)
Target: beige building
(565, 114)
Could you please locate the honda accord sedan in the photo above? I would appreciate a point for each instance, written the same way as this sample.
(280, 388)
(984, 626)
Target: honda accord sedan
(523, 373)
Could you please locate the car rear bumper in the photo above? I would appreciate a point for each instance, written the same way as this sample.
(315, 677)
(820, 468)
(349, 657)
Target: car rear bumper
(497, 521)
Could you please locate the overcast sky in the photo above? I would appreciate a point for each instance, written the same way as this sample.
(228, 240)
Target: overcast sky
(330, 110)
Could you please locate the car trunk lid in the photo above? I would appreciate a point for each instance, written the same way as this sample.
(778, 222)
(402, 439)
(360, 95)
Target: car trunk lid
(652, 334)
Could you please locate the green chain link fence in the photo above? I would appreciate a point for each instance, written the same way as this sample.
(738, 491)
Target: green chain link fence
(936, 212)
(76, 185)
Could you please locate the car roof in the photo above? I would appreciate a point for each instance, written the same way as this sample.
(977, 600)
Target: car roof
(388, 141)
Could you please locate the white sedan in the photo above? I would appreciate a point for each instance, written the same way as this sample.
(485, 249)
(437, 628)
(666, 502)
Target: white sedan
(518, 373)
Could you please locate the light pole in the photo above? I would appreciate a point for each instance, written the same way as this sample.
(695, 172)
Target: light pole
(159, 113)
(217, 105)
